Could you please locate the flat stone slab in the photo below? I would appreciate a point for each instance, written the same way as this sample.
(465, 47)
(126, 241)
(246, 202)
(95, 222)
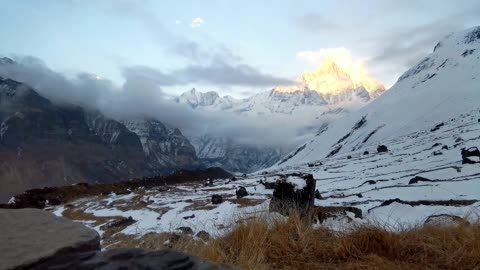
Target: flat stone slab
(29, 236)
(138, 259)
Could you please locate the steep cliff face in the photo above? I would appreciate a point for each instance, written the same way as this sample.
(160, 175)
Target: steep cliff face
(164, 145)
(46, 144)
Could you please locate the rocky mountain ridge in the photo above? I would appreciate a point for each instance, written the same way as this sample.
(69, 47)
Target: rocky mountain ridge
(46, 144)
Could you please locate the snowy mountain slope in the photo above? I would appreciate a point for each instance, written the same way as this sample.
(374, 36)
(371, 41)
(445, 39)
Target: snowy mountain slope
(210, 100)
(424, 123)
(398, 189)
(233, 156)
(381, 185)
(442, 86)
(320, 97)
(327, 88)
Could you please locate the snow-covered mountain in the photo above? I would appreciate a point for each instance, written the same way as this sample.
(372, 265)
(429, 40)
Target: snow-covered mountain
(164, 144)
(236, 157)
(442, 87)
(210, 100)
(318, 98)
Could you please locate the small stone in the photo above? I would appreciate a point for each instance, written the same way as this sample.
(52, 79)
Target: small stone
(203, 235)
(241, 192)
(217, 199)
(382, 149)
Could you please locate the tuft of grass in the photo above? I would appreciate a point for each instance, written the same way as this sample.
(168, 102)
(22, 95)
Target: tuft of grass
(292, 243)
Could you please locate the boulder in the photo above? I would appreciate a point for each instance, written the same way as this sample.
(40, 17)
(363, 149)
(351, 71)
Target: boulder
(216, 199)
(165, 259)
(29, 236)
(189, 217)
(293, 193)
(366, 153)
(445, 147)
(203, 235)
(349, 157)
(318, 196)
(470, 155)
(437, 153)
(382, 149)
(241, 192)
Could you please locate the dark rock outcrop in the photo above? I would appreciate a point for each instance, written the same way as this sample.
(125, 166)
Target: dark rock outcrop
(289, 197)
(203, 235)
(382, 149)
(217, 199)
(241, 192)
(47, 144)
(437, 127)
(470, 155)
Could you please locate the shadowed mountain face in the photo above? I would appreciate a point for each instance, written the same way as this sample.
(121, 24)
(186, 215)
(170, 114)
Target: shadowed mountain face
(44, 144)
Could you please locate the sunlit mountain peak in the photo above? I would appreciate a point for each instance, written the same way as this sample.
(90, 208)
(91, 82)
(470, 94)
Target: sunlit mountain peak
(335, 76)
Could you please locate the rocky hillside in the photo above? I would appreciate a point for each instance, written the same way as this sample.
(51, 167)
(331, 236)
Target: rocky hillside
(46, 144)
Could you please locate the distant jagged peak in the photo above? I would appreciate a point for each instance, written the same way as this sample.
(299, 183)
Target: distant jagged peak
(332, 78)
(6, 61)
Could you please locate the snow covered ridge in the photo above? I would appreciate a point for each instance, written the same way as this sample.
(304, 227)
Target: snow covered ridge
(441, 87)
(320, 97)
(421, 175)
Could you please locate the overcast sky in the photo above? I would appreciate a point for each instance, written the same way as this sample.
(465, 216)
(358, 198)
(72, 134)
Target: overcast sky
(234, 47)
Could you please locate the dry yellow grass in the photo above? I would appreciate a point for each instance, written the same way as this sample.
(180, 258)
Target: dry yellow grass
(294, 244)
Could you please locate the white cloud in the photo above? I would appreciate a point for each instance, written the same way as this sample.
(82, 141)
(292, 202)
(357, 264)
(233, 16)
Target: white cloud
(197, 22)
